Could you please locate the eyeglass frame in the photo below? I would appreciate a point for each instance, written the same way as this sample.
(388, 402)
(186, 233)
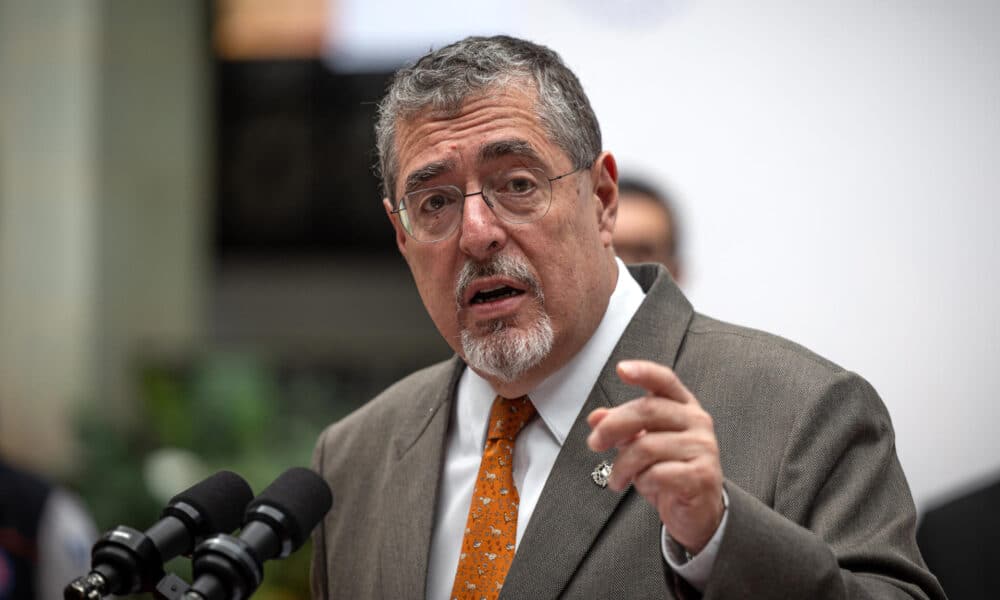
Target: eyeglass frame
(489, 203)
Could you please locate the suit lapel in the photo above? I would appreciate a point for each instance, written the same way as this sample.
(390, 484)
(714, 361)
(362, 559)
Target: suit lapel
(569, 515)
(572, 509)
(410, 494)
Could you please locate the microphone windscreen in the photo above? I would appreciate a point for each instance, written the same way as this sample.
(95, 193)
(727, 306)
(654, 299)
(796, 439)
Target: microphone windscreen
(302, 496)
(220, 500)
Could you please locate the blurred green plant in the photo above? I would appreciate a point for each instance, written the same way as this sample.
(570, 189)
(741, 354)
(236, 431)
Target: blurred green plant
(219, 412)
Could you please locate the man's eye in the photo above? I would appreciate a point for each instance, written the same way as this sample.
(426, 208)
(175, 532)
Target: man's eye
(434, 203)
(519, 185)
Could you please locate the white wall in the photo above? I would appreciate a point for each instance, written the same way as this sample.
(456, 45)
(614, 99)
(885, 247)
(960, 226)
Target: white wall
(838, 174)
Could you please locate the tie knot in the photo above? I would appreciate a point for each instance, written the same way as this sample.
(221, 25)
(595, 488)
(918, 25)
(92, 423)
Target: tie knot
(509, 416)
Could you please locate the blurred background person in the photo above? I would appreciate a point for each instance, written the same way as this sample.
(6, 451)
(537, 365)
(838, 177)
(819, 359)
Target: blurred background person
(45, 536)
(960, 542)
(647, 229)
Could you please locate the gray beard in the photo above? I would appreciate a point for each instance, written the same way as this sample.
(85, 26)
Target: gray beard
(500, 349)
(507, 352)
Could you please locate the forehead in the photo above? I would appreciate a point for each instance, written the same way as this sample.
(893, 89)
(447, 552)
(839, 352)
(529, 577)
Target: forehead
(487, 127)
(643, 200)
(641, 203)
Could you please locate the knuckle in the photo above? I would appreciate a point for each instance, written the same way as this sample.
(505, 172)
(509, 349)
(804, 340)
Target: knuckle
(700, 471)
(686, 487)
(700, 418)
(650, 482)
(663, 472)
(646, 406)
(704, 445)
(641, 451)
(651, 446)
(706, 475)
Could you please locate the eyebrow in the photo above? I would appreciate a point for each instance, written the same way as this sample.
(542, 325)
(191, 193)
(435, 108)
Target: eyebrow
(505, 148)
(416, 179)
(487, 152)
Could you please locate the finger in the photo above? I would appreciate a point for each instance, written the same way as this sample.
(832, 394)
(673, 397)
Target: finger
(660, 448)
(688, 497)
(662, 478)
(620, 424)
(596, 416)
(657, 379)
(593, 419)
(637, 456)
(691, 485)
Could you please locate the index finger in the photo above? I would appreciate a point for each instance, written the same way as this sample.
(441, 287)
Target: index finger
(655, 378)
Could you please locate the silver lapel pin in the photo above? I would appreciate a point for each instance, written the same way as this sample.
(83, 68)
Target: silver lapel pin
(601, 473)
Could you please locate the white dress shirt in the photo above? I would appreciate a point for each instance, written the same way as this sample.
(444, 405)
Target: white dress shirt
(558, 400)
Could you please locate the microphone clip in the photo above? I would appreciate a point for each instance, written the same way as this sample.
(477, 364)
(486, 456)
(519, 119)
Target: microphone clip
(119, 553)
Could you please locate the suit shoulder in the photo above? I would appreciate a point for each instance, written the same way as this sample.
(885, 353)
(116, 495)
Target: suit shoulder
(735, 361)
(396, 406)
(706, 333)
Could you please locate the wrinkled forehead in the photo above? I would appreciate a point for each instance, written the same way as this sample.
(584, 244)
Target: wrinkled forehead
(514, 148)
(485, 128)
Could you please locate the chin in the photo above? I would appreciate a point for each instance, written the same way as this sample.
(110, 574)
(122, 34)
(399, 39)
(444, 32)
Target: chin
(502, 350)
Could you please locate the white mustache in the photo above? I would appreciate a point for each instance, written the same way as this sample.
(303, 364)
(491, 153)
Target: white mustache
(502, 265)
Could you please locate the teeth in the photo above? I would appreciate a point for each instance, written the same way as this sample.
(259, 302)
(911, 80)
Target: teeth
(491, 295)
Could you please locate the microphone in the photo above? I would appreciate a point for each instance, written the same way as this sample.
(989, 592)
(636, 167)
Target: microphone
(127, 561)
(277, 523)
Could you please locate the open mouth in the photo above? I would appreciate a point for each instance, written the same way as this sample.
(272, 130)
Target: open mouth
(494, 294)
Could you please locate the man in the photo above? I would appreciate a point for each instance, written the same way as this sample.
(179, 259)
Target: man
(646, 229)
(743, 465)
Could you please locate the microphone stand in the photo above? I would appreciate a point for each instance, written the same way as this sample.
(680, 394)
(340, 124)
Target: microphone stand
(171, 587)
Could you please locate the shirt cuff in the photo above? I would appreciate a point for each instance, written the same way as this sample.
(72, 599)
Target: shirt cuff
(698, 568)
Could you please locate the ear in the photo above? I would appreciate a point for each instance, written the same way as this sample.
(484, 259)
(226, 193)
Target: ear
(397, 228)
(604, 174)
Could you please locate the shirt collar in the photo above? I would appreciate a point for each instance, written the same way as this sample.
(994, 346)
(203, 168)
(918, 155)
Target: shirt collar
(560, 397)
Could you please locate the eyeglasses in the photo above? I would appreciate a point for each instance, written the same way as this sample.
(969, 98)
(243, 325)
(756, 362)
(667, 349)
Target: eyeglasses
(516, 196)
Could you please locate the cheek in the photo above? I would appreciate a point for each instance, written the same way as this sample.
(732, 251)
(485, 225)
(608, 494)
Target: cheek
(434, 278)
(430, 279)
(569, 261)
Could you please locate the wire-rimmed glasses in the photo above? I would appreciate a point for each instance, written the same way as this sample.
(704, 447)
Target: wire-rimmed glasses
(519, 195)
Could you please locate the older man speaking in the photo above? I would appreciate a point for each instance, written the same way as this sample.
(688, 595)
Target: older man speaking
(593, 437)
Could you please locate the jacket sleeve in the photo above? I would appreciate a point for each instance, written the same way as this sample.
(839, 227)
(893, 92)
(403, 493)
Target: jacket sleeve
(317, 571)
(843, 521)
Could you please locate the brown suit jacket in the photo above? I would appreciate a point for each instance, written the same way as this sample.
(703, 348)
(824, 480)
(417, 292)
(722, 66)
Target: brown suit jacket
(819, 506)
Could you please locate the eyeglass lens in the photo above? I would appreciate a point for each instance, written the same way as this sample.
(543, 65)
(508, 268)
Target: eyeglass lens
(516, 196)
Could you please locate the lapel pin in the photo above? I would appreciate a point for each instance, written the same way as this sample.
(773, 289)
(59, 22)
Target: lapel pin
(601, 473)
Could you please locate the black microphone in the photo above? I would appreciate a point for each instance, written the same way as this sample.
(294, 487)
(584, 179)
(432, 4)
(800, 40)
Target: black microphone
(277, 523)
(126, 561)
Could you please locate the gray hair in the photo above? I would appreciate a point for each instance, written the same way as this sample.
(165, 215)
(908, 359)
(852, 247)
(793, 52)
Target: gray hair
(445, 78)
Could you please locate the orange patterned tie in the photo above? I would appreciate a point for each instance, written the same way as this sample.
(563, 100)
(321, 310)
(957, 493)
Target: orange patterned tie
(491, 529)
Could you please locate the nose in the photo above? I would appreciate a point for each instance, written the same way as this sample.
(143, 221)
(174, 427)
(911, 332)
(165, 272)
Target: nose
(481, 233)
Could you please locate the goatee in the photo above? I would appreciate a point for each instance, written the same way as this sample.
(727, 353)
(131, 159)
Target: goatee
(506, 348)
